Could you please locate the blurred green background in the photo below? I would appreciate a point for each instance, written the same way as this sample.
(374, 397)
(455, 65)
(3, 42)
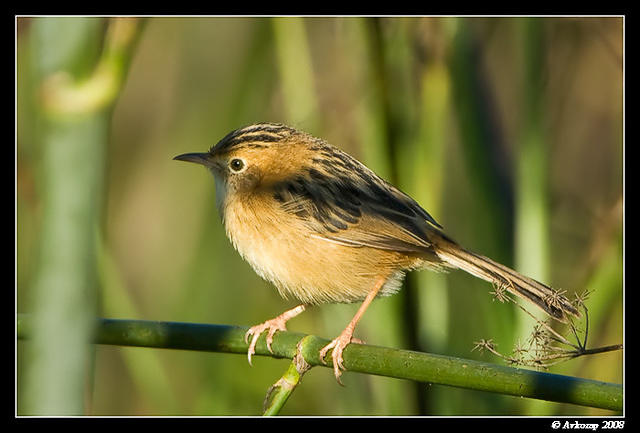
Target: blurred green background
(509, 131)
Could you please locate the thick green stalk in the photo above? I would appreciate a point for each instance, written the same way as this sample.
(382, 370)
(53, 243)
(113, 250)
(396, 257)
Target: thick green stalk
(280, 391)
(427, 184)
(478, 208)
(531, 202)
(531, 196)
(76, 81)
(296, 71)
(382, 361)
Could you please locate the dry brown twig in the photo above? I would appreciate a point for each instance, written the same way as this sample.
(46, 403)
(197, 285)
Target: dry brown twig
(546, 346)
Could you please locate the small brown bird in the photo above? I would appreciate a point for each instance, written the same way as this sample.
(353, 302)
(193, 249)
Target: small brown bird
(322, 228)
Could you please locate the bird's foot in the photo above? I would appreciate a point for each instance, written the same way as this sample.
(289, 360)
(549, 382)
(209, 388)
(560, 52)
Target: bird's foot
(271, 326)
(338, 345)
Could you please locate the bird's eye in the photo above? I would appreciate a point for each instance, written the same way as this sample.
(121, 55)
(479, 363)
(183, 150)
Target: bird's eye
(236, 165)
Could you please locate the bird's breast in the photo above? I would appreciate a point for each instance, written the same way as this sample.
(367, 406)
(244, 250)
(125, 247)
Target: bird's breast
(301, 264)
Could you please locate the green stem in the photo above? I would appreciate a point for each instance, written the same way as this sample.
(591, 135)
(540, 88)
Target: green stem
(296, 71)
(279, 392)
(382, 361)
(78, 76)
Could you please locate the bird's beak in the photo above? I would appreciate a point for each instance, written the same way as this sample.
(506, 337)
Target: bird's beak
(198, 158)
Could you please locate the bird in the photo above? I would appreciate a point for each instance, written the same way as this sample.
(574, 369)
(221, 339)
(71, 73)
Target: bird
(324, 228)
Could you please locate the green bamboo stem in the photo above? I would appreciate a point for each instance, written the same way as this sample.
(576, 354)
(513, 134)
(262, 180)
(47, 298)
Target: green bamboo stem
(279, 392)
(78, 73)
(382, 361)
(532, 162)
(295, 71)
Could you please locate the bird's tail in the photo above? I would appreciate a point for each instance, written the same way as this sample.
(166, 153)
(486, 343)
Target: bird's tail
(548, 299)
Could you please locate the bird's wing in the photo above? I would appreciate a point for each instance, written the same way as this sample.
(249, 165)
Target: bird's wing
(355, 207)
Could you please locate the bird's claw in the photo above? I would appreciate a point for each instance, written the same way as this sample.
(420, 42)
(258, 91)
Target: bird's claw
(338, 345)
(271, 326)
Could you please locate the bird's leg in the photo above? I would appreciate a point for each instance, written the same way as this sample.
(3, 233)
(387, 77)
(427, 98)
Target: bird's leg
(272, 325)
(342, 341)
